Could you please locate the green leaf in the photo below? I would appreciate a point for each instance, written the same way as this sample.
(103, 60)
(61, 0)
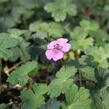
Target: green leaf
(6, 22)
(53, 29)
(58, 86)
(80, 39)
(100, 54)
(6, 41)
(66, 72)
(101, 98)
(38, 26)
(89, 25)
(13, 54)
(25, 3)
(22, 48)
(80, 36)
(16, 32)
(71, 9)
(104, 94)
(59, 13)
(51, 104)
(19, 11)
(20, 74)
(100, 37)
(56, 29)
(88, 73)
(31, 100)
(87, 60)
(62, 82)
(40, 88)
(5, 54)
(40, 34)
(77, 98)
(24, 51)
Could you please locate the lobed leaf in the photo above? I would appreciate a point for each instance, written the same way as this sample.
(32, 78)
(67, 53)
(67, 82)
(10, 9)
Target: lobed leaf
(59, 13)
(62, 82)
(20, 74)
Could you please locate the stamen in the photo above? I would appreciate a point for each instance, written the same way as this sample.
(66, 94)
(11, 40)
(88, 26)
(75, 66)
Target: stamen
(57, 47)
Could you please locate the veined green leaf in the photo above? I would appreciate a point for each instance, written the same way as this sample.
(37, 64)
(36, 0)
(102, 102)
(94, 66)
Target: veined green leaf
(63, 81)
(100, 54)
(20, 74)
(59, 13)
(77, 98)
(53, 29)
(31, 100)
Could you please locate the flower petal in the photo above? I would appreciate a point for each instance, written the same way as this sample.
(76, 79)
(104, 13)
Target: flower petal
(66, 47)
(58, 56)
(51, 44)
(62, 41)
(49, 54)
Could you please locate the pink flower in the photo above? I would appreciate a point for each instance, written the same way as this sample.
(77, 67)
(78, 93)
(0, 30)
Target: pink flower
(57, 49)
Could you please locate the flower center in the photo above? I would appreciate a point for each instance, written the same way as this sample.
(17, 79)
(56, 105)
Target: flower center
(57, 47)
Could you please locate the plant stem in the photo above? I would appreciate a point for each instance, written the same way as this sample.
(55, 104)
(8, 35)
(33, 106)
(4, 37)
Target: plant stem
(8, 70)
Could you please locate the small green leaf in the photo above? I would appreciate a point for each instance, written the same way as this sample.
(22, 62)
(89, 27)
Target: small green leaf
(89, 25)
(5, 54)
(59, 13)
(52, 29)
(100, 37)
(104, 94)
(80, 39)
(16, 32)
(66, 72)
(31, 100)
(58, 86)
(40, 88)
(25, 3)
(88, 73)
(100, 54)
(77, 98)
(6, 41)
(40, 34)
(51, 104)
(20, 74)
(101, 98)
(62, 82)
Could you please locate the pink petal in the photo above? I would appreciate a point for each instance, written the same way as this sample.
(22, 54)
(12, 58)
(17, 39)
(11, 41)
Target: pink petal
(51, 44)
(49, 54)
(66, 47)
(62, 41)
(58, 56)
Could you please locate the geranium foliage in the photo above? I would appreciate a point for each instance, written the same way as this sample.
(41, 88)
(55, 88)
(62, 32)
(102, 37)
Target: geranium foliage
(54, 54)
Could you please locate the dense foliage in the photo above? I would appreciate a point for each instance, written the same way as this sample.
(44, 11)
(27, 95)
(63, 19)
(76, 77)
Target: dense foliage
(28, 80)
